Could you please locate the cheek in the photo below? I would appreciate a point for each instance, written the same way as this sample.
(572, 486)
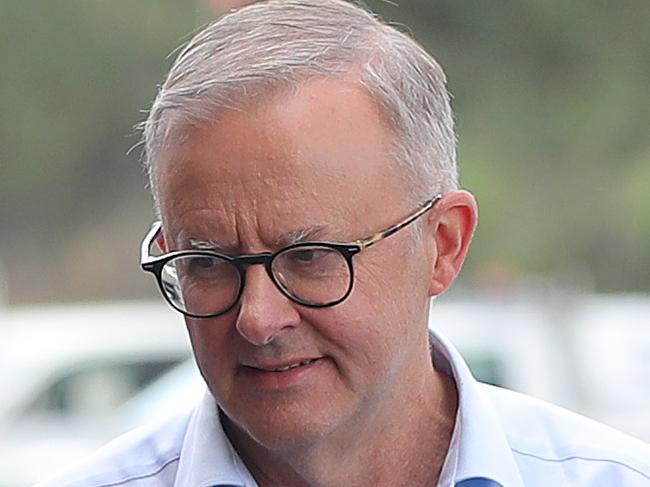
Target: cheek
(211, 342)
(391, 290)
(389, 309)
(361, 335)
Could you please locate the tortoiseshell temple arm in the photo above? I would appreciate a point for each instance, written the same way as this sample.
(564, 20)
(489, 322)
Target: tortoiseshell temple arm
(373, 239)
(145, 250)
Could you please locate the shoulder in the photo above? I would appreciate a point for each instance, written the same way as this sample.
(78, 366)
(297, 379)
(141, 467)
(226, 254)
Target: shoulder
(145, 457)
(552, 443)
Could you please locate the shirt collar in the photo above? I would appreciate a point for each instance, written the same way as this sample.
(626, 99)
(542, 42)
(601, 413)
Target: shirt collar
(207, 457)
(209, 460)
(483, 450)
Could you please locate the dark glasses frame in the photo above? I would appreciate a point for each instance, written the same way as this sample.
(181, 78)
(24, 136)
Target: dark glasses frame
(155, 264)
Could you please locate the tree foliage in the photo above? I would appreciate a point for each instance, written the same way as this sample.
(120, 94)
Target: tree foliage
(553, 109)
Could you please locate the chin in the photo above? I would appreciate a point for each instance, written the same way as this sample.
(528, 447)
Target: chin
(282, 429)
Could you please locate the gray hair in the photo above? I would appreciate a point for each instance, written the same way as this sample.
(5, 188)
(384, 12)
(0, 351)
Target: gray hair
(281, 43)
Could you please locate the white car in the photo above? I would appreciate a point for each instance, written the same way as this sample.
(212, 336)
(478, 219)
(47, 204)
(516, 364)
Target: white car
(64, 370)
(589, 354)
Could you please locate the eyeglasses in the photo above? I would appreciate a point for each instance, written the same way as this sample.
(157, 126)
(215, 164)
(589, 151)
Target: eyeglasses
(203, 283)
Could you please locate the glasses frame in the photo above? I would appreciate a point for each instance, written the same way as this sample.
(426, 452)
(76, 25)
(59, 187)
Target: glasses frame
(155, 264)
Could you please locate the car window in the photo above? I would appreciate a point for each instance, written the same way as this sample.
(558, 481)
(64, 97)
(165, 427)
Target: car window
(98, 387)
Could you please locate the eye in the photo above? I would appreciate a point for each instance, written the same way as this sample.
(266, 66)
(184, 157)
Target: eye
(207, 267)
(204, 262)
(314, 259)
(308, 255)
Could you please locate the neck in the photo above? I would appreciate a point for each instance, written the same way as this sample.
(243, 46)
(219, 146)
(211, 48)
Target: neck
(403, 443)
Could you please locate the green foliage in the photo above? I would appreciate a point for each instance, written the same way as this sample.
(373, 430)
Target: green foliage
(552, 102)
(553, 109)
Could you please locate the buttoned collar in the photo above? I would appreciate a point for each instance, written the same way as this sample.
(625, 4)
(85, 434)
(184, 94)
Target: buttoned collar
(207, 457)
(209, 460)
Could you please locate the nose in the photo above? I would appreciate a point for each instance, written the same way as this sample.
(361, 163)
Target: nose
(264, 312)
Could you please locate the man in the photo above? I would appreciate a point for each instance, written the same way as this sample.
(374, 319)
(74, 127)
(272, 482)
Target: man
(302, 161)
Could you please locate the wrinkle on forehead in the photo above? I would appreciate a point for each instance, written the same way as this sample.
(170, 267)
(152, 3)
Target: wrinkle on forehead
(250, 224)
(265, 210)
(254, 180)
(311, 234)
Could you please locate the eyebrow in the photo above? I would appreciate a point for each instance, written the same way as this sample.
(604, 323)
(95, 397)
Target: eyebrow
(201, 244)
(309, 234)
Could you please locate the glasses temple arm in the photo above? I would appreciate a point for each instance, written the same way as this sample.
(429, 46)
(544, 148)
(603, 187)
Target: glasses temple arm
(368, 241)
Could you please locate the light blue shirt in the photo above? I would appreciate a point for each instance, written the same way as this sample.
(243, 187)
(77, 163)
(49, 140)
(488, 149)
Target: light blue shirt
(501, 438)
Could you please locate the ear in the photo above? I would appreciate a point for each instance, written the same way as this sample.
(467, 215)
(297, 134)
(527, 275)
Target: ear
(452, 222)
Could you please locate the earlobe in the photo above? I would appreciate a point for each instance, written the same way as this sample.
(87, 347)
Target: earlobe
(453, 222)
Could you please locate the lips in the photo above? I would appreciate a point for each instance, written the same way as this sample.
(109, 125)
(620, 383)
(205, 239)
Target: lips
(289, 375)
(283, 367)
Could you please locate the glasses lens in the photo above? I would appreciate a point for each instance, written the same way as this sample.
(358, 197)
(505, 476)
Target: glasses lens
(313, 274)
(200, 285)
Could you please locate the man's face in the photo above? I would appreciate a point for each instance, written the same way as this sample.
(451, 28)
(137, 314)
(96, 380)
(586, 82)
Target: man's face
(315, 164)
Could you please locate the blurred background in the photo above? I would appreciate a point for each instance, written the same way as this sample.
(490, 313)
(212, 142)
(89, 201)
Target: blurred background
(552, 102)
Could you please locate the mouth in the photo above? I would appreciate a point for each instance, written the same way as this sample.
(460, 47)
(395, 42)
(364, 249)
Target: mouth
(293, 374)
(283, 368)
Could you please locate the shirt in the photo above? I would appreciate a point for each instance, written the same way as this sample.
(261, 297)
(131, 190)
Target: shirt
(501, 438)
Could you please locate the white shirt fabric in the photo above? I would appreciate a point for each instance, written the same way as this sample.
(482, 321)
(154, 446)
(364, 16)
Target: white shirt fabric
(508, 438)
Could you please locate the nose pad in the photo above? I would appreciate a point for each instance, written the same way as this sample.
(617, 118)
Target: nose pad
(264, 312)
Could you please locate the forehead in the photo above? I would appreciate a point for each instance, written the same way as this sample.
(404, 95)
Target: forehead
(305, 157)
